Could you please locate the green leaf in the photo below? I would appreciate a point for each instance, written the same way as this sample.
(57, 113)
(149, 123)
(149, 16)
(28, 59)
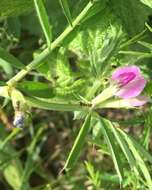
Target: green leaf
(65, 7)
(37, 89)
(67, 82)
(92, 33)
(44, 20)
(63, 70)
(113, 148)
(13, 173)
(94, 176)
(14, 7)
(10, 59)
(148, 27)
(123, 146)
(8, 138)
(14, 27)
(78, 144)
(148, 89)
(49, 104)
(6, 67)
(10, 163)
(146, 44)
(138, 158)
(133, 14)
(142, 150)
(96, 41)
(147, 2)
(147, 129)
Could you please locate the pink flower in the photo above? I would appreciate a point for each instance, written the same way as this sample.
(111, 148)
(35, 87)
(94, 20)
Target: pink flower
(127, 84)
(129, 80)
(130, 83)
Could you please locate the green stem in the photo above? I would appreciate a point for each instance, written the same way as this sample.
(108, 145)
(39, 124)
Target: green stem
(47, 51)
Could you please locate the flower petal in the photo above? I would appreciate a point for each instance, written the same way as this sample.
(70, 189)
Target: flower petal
(132, 89)
(125, 103)
(127, 69)
(138, 101)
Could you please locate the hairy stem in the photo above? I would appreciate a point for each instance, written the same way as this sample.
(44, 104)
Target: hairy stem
(47, 51)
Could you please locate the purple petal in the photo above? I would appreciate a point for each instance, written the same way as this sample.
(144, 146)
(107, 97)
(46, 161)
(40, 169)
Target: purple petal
(127, 69)
(132, 89)
(138, 101)
(125, 78)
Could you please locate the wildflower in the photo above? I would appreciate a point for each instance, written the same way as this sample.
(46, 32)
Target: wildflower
(129, 80)
(127, 83)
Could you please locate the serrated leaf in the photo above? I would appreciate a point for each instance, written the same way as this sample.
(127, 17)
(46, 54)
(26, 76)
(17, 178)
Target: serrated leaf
(92, 33)
(63, 70)
(97, 41)
(68, 82)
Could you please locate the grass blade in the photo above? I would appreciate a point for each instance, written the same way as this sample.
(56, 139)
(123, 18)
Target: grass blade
(78, 144)
(44, 20)
(66, 10)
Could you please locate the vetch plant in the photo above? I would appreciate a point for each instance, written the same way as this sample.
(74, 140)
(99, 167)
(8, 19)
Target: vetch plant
(125, 84)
